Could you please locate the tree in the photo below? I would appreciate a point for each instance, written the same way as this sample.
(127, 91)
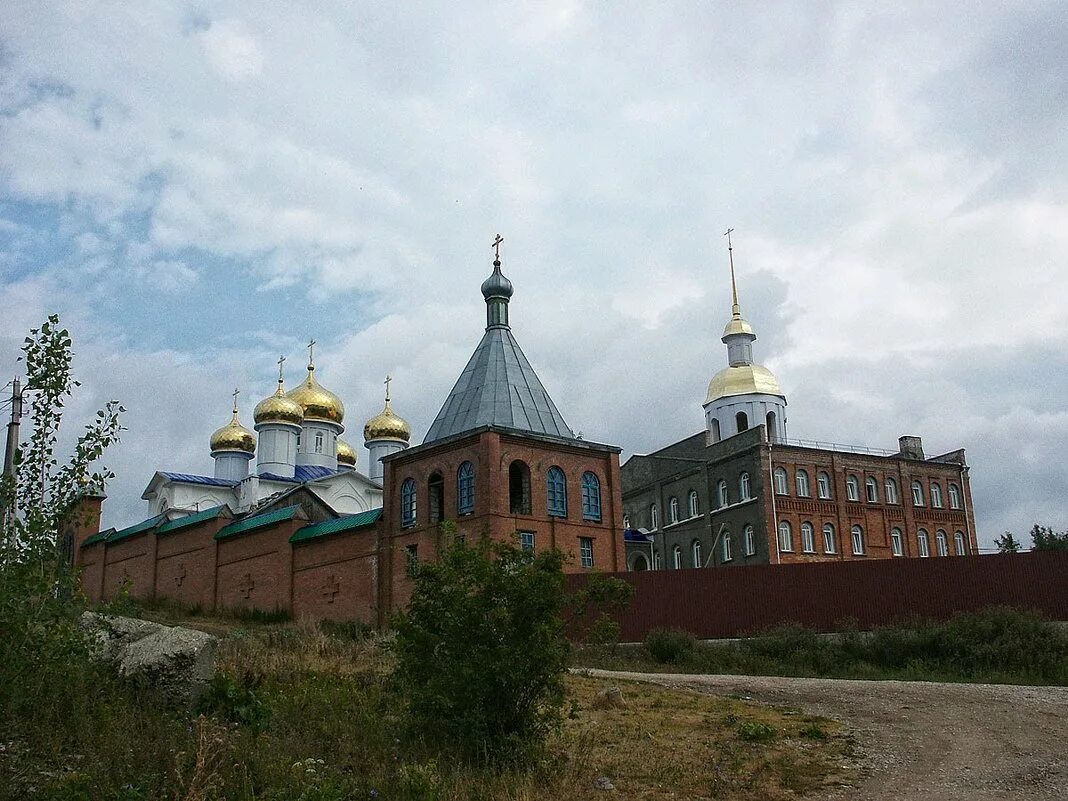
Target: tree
(1044, 538)
(1007, 543)
(481, 651)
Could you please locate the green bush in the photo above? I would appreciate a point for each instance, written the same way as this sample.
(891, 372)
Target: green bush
(481, 651)
(670, 646)
(755, 731)
(236, 699)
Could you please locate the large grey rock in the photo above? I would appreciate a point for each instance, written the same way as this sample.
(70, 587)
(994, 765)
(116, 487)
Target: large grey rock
(176, 662)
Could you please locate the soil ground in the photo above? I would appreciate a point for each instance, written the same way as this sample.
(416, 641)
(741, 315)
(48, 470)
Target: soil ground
(922, 740)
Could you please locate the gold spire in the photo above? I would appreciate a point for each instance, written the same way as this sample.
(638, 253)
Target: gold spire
(387, 425)
(318, 402)
(277, 408)
(736, 325)
(233, 436)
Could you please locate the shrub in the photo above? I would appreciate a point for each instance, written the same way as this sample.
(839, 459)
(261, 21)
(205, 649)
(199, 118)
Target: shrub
(236, 699)
(481, 651)
(670, 646)
(754, 731)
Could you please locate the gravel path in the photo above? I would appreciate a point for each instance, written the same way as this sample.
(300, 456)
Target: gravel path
(924, 740)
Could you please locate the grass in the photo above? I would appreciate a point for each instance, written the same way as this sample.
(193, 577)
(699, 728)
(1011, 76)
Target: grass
(304, 712)
(997, 645)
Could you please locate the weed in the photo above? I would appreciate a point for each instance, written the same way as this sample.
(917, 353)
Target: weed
(755, 731)
(669, 646)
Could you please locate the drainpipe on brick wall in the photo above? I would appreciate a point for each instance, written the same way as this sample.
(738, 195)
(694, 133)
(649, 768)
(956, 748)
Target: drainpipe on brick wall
(774, 510)
(964, 505)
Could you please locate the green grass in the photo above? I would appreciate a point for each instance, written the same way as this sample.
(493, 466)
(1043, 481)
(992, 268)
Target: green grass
(997, 645)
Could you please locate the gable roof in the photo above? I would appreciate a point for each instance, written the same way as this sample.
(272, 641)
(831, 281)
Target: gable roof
(100, 536)
(498, 387)
(337, 526)
(255, 522)
(191, 478)
(179, 523)
(137, 528)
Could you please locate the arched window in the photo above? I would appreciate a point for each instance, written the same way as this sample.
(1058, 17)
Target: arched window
(897, 542)
(742, 419)
(715, 430)
(750, 540)
(743, 487)
(923, 543)
(591, 496)
(658, 562)
(936, 495)
(673, 510)
(556, 490)
(858, 540)
(801, 477)
(823, 485)
(695, 552)
(958, 541)
(408, 502)
(435, 486)
(781, 486)
(626, 521)
(954, 496)
(830, 544)
(519, 488)
(727, 556)
(654, 517)
(639, 563)
(695, 507)
(852, 489)
(786, 537)
(465, 489)
(721, 493)
(872, 488)
(917, 493)
(318, 442)
(891, 490)
(942, 542)
(773, 433)
(808, 538)
(676, 557)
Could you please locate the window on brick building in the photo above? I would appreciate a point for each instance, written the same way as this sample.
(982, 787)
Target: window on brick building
(786, 537)
(526, 540)
(958, 541)
(695, 507)
(830, 544)
(858, 540)
(435, 488)
(782, 486)
(823, 485)
(773, 433)
(721, 493)
(954, 496)
(942, 542)
(676, 557)
(411, 559)
(891, 490)
(917, 493)
(750, 540)
(742, 420)
(936, 495)
(586, 551)
(465, 489)
(923, 543)
(654, 517)
(852, 489)
(658, 562)
(871, 486)
(897, 542)
(744, 489)
(556, 489)
(695, 552)
(727, 556)
(591, 497)
(408, 502)
(519, 488)
(673, 510)
(808, 538)
(801, 477)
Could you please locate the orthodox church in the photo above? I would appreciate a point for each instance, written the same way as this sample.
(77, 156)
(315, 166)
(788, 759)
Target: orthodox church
(297, 444)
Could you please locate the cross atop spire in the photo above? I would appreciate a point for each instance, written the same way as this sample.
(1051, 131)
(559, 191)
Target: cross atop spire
(736, 310)
(497, 250)
(311, 354)
(386, 382)
(281, 362)
(236, 393)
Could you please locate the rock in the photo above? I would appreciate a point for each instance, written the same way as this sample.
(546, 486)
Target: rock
(176, 662)
(609, 698)
(604, 783)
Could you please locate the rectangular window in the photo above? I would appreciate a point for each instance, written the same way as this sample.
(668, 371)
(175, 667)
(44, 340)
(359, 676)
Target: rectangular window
(586, 551)
(411, 555)
(318, 443)
(526, 540)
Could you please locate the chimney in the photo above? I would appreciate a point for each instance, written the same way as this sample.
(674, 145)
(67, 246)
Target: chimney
(910, 447)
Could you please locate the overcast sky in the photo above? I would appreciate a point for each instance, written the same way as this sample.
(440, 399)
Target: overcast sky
(197, 188)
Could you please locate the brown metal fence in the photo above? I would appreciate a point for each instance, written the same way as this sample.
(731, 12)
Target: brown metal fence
(736, 601)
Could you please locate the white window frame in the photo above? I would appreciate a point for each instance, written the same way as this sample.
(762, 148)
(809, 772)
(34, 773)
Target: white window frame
(695, 553)
(804, 489)
(808, 538)
(727, 546)
(750, 540)
(856, 536)
(626, 521)
(897, 542)
(676, 557)
(744, 489)
(318, 441)
(721, 494)
(658, 561)
(695, 508)
(942, 542)
(586, 551)
(890, 489)
(954, 496)
(673, 510)
(852, 488)
(823, 485)
(528, 540)
(936, 496)
(654, 517)
(923, 543)
(917, 493)
(830, 540)
(871, 489)
(786, 537)
(782, 481)
(958, 543)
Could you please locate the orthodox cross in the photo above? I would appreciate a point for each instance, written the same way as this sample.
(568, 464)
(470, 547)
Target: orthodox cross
(736, 309)
(311, 352)
(497, 247)
(386, 382)
(236, 393)
(332, 588)
(247, 585)
(281, 361)
(727, 234)
(180, 575)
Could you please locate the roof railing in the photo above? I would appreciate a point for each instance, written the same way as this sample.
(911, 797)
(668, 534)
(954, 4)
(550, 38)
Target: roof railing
(834, 446)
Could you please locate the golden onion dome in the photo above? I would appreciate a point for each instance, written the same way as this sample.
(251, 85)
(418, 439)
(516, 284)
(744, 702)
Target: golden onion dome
(743, 379)
(346, 454)
(317, 401)
(233, 437)
(387, 425)
(278, 408)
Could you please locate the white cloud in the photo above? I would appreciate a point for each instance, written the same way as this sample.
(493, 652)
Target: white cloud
(232, 51)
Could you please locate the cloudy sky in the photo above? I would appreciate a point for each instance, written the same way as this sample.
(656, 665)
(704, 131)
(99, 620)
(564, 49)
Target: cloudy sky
(197, 188)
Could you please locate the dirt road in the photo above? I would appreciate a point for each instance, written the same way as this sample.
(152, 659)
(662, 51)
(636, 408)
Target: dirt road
(923, 740)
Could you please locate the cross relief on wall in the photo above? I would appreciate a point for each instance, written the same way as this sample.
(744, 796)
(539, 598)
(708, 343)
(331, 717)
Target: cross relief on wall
(246, 586)
(332, 588)
(179, 577)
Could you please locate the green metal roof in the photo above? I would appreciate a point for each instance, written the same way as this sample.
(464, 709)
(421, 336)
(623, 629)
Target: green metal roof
(257, 521)
(100, 536)
(191, 520)
(338, 525)
(136, 528)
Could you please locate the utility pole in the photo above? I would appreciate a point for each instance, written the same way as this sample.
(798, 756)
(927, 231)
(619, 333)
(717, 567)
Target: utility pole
(12, 440)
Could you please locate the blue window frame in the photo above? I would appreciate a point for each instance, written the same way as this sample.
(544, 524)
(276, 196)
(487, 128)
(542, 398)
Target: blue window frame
(586, 551)
(556, 487)
(408, 502)
(526, 540)
(465, 489)
(591, 497)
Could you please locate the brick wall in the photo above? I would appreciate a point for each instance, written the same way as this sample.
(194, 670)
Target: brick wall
(334, 577)
(255, 569)
(185, 570)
